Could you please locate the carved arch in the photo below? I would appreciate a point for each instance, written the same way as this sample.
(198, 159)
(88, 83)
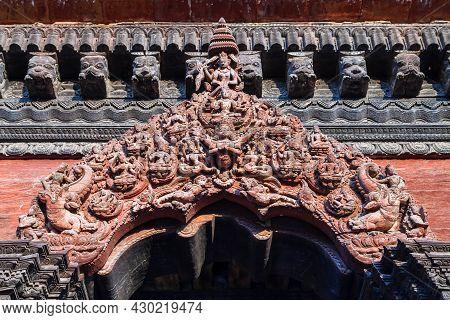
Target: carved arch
(222, 144)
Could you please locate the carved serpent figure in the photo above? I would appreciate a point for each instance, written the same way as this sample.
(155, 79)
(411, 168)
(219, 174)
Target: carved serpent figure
(60, 207)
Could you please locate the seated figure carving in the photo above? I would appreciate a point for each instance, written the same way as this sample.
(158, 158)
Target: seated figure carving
(406, 79)
(301, 79)
(146, 77)
(317, 142)
(41, 79)
(353, 78)
(125, 172)
(251, 73)
(94, 77)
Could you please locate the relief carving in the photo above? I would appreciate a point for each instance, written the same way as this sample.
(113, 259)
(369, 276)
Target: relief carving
(222, 143)
(146, 77)
(251, 72)
(3, 76)
(94, 77)
(406, 79)
(353, 78)
(300, 78)
(42, 78)
(193, 68)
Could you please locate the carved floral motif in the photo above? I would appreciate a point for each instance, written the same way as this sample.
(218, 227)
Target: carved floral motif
(222, 143)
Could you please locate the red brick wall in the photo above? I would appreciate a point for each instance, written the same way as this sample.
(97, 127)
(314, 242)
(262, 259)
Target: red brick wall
(427, 180)
(109, 11)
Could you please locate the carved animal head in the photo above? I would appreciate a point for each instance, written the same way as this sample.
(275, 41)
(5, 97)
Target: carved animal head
(94, 77)
(146, 77)
(406, 78)
(354, 80)
(251, 73)
(193, 67)
(41, 79)
(145, 67)
(94, 67)
(41, 67)
(406, 63)
(301, 78)
(251, 68)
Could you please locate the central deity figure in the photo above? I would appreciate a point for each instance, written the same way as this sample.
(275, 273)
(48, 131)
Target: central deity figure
(223, 77)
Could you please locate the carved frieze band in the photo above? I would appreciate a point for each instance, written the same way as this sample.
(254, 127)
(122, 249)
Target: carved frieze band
(370, 148)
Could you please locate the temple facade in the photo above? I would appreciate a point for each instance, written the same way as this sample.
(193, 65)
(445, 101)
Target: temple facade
(294, 151)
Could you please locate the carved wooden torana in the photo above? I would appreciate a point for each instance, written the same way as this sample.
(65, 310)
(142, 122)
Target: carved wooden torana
(222, 144)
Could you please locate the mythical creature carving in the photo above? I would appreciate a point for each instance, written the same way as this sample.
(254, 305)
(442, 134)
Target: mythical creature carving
(94, 77)
(222, 143)
(353, 78)
(406, 79)
(193, 69)
(385, 199)
(251, 72)
(42, 79)
(300, 77)
(146, 77)
(445, 75)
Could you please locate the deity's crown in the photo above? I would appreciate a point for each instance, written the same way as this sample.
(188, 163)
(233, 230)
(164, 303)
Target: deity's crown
(222, 40)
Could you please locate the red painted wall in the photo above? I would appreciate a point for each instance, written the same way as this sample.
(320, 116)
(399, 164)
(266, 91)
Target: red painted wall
(109, 11)
(427, 180)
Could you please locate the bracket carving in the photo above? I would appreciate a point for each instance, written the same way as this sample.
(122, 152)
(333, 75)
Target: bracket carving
(300, 77)
(353, 77)
(94, 76)
(251, 72)
(42, 78)
(146, 77)
(406, 79)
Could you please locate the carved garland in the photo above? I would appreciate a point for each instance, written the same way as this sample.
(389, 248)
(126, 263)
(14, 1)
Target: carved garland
(222, 143)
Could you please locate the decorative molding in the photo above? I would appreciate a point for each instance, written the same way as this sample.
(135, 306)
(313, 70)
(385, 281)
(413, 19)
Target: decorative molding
(369, 148)
(29, 270)
(415, 269)
(324, 110)
(250, 36)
